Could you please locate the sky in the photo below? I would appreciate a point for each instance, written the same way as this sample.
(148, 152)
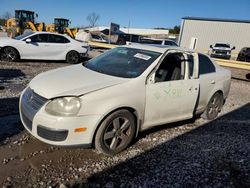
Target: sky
(139, 13)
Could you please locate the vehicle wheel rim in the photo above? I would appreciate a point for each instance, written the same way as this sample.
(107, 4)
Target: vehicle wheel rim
(8, 54)
(117, 133)
(214, 107)
(73, 57)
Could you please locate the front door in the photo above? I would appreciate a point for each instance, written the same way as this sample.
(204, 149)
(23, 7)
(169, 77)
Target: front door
(171, 99)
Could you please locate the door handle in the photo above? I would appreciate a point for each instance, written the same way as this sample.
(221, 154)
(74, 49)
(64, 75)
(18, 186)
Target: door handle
(212, 82)
(191, 88)
(46, 45)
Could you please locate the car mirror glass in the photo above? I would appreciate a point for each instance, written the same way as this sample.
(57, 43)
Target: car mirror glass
(28, 40)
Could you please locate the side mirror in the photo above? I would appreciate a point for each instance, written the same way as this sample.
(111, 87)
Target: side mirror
(36, 15)
(28, 40)
(211, 46)
(233, 48)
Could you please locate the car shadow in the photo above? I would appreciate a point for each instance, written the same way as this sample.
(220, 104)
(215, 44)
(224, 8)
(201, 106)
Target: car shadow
(8, 106)
(215, 154)
(10, 73)
(10, 123)
(83, 59)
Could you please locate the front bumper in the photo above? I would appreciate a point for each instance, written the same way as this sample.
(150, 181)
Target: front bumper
(223, 56)
(56, 130)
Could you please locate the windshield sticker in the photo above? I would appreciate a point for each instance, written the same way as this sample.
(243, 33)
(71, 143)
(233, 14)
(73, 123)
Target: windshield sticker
(122, 51)
(142, 56)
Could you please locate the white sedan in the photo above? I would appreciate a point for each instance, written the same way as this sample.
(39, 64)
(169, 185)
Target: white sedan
(42, 46)
(120, 93)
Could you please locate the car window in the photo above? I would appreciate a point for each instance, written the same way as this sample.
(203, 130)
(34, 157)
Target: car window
(20, 37)
(96, 37)
(123, 62)
(221, 45)
(57, 39)
(171, 68)
(205, 65)
(170, 43)
(41, 38)
(191, 65)
(150, 41)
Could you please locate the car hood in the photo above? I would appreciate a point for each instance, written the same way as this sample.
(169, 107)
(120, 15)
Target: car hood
(73, 80)
(6, 40)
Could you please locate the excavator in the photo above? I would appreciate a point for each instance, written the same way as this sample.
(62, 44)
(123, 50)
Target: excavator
(24, 21)
(61, 25)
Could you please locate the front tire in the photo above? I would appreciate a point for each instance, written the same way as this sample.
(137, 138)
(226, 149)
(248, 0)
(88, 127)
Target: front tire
(9, 54)
(72, 57)
(213, 107)
(115, 133)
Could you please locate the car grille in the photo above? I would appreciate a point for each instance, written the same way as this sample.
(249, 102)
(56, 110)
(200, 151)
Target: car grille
(51, 134)
(221, 52)
(27, 122)
(31, 102)
(35, 101)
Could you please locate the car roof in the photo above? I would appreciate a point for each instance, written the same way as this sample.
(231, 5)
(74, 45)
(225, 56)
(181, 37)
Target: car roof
(155, 48)
(45, 32)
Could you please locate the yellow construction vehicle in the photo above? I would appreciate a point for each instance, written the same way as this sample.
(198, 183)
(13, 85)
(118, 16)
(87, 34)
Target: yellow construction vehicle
(24, 21)
(61, 25)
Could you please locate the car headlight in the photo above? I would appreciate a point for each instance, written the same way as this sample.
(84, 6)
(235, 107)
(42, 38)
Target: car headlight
(66, 106)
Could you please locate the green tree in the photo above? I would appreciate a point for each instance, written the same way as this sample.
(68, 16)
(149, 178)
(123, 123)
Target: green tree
(175, 30)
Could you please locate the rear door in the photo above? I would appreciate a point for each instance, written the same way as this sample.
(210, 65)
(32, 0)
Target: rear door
(57, 47)
(208, 79)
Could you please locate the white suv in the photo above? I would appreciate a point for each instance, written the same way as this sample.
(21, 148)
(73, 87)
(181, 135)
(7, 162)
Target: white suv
(221, 50)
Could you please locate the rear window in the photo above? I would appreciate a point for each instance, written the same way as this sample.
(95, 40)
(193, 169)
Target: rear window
(205, 65)
(57, 39)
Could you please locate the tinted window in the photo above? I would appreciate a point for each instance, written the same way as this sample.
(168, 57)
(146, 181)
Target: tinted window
(150, 41)
(39, 38)
(205, 65)
(222, 45)
(57, 39)
(170, 43)
(191, 65)
(20, 37)
(96, 37)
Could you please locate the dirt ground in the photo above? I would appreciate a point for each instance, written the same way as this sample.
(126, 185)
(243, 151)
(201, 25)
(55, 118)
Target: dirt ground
(191, 153)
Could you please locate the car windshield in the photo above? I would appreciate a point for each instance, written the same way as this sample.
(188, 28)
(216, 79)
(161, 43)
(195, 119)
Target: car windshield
(222, 45)
(20, 37)
(123, 62)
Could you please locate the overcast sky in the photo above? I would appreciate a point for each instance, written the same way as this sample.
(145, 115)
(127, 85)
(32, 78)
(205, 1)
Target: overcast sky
(140, 13)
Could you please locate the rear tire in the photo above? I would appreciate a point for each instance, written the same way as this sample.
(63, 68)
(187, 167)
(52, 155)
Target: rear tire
(213, 107)
(115, 133)
(9, 54)
(72, 57)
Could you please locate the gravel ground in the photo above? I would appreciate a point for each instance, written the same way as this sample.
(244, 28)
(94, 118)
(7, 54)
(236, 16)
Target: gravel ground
(194, 153)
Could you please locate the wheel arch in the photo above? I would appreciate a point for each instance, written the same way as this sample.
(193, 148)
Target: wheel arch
(19, 56)
(71, 50)
(130, 109)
